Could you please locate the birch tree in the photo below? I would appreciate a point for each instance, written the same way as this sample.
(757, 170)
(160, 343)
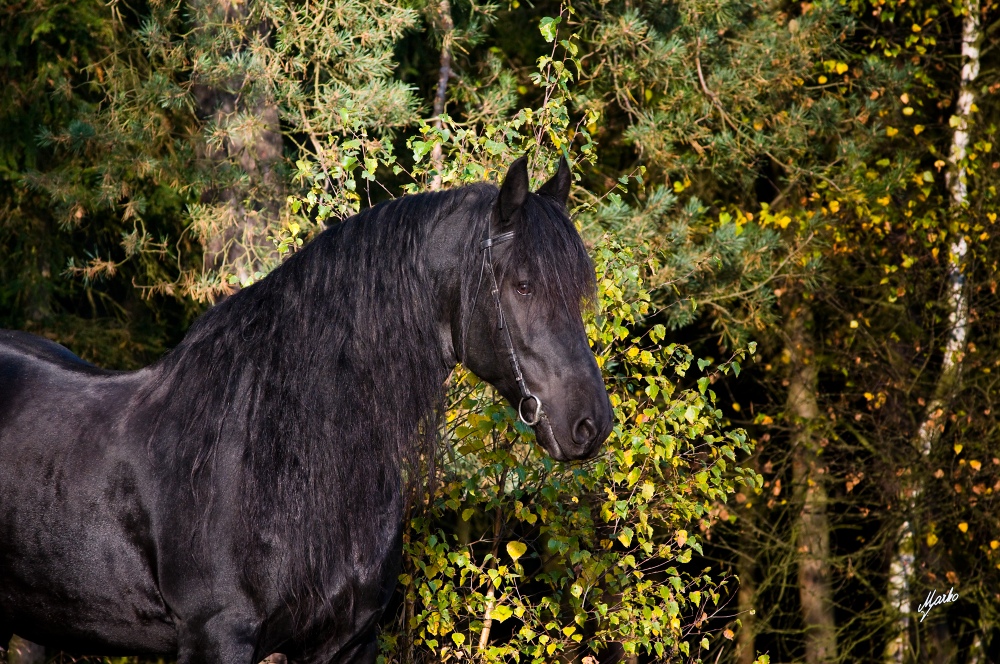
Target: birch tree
(901, 589)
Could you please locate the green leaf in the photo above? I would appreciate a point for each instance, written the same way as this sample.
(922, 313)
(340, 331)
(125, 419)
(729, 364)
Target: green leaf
(689, 414)
(549, 27)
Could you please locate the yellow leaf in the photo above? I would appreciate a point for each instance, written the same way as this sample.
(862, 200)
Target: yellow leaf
(891, 131)
(822, 80)
(964, 527)
(917, 129)
(516, 549)
(932, 539)
(908, 110)
(975, 465)
(995, 545)
(958, 448)
(841, 67)
(501, 613)
(681, 537)
(905, 98)
(728, 634)
(915, 28)
(834, 206)
(854, 324)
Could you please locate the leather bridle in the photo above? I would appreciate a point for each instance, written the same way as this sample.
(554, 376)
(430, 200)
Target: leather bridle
(486, 246)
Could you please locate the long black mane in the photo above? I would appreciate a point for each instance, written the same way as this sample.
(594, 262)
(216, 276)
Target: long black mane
(319, 377)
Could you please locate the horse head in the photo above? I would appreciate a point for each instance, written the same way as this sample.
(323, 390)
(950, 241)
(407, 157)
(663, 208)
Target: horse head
(524, 330)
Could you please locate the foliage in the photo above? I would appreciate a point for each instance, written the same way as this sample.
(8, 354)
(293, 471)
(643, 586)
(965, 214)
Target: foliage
(45, 91)
(564, 560)
(195, 101)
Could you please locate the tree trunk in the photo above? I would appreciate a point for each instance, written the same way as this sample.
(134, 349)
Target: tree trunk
(746, 568)
(245, 140)
(901, 579)
(447, 28)
(809, 479)
(746, 649)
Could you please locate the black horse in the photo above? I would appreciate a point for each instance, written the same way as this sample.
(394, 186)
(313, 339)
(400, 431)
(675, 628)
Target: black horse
(244, 495)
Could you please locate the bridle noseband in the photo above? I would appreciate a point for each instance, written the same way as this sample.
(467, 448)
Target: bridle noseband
(486, 246)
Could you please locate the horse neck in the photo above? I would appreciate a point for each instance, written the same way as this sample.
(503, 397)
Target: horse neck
(364, 336)
(347, 344)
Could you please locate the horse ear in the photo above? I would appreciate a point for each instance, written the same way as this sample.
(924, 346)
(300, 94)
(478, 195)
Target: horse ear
(514, 190)
(558, 185)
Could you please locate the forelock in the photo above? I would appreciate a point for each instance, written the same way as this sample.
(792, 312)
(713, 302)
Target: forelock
(548, 248)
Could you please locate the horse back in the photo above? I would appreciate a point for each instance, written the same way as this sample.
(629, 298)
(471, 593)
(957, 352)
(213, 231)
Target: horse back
(22, 344)
(74, 520)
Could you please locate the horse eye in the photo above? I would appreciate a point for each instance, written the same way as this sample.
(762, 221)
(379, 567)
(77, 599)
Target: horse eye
(524, 288)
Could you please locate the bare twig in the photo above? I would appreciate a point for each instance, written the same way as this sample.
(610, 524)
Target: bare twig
(711, 95)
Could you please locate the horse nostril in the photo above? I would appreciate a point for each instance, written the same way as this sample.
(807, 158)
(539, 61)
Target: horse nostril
(584, 432)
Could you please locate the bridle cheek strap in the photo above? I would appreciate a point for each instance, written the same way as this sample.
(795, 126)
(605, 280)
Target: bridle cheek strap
(486, 246)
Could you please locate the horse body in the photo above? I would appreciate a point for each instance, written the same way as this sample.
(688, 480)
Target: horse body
(76, 503)
(244, 495)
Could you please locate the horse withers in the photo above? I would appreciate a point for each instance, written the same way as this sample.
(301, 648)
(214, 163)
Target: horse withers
(243, 496)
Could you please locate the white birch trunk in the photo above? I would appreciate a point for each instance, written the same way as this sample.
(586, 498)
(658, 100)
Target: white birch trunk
(901, 569)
